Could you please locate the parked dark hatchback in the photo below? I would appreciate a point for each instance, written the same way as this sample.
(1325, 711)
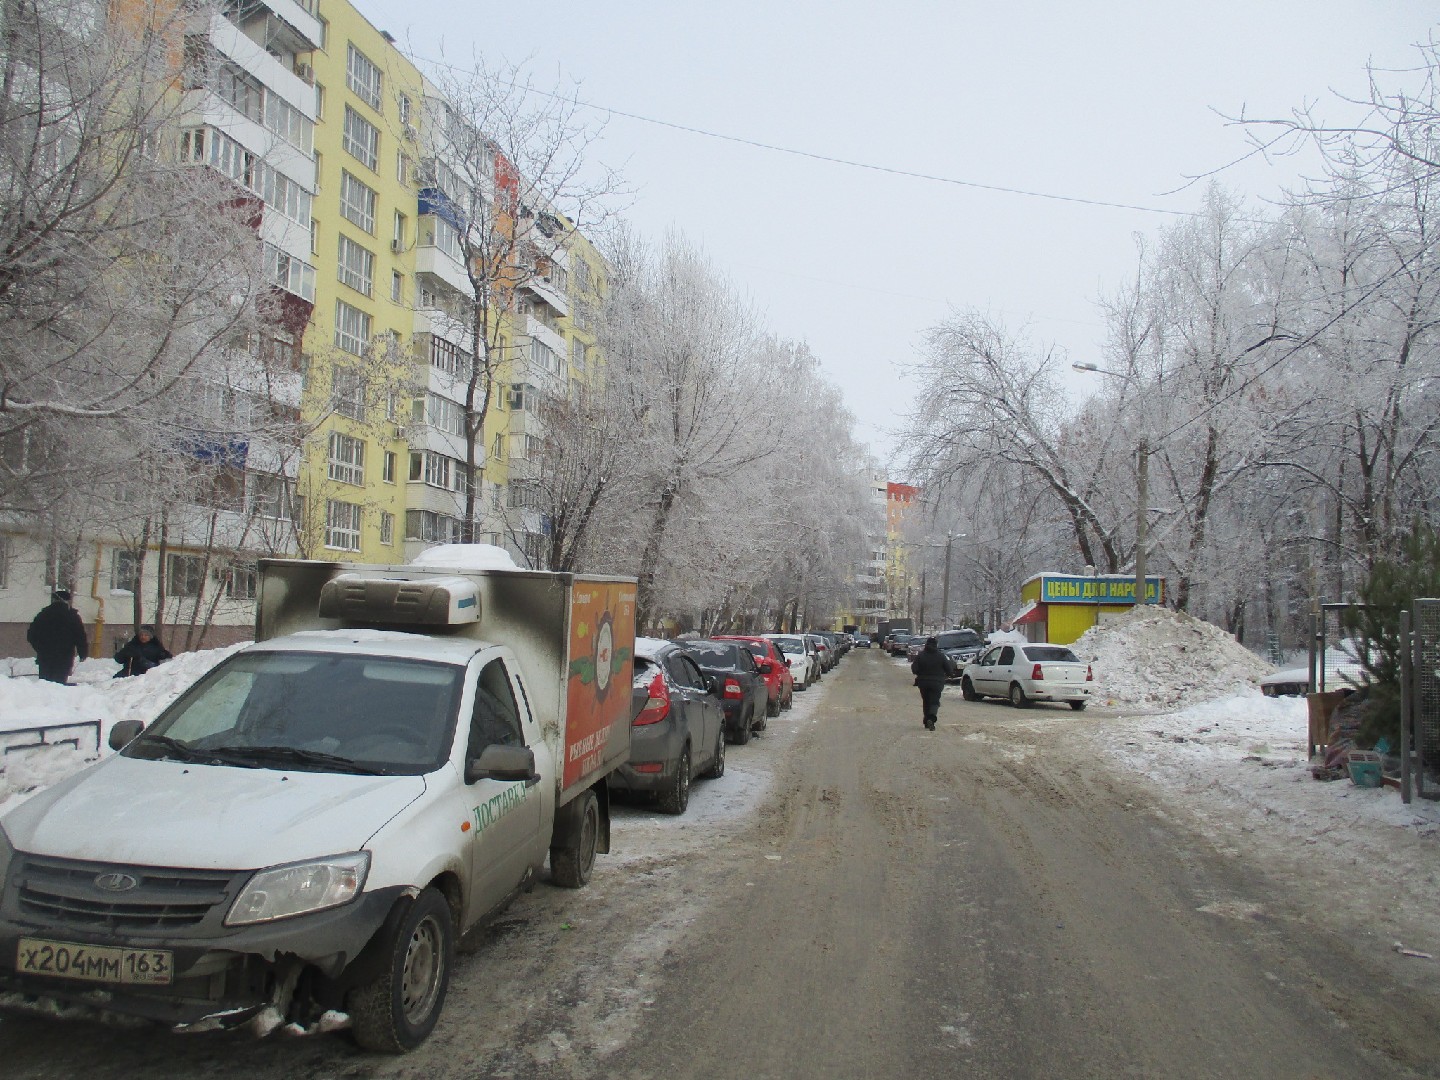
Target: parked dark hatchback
(778, 678)
(743, 691)
(677, 730)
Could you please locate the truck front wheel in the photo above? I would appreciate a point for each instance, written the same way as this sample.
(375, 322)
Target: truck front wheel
(570, 865)
(397, 1010)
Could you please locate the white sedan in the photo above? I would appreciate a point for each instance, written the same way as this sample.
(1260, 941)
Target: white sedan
(800, 656)
(1026, 672)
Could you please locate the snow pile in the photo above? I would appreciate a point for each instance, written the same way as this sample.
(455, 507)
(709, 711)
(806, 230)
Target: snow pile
(1155, 658)
(26, 702)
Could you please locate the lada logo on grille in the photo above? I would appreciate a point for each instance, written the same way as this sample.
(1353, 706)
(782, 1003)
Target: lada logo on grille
(115, 882)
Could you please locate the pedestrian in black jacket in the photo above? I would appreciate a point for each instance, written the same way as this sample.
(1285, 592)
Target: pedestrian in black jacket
(141, 653)
(932, 670)
(57, 635)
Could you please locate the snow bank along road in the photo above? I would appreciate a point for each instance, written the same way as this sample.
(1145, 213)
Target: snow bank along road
(860, 898)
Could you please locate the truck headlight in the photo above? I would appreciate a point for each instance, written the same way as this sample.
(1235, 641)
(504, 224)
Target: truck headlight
(299, 889)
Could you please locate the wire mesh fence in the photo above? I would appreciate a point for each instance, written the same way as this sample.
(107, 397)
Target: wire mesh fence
(1335, 661)
(1423, 705)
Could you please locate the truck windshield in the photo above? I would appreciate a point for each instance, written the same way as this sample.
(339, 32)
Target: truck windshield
(314, 711)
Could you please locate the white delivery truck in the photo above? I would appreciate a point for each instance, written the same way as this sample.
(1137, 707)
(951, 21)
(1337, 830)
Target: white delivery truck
(309, 827)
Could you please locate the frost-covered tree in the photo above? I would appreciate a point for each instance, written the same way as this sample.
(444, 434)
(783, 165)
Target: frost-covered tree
(504, 182)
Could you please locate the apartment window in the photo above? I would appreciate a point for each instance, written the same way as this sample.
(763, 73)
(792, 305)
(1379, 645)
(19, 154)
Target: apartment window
(387, 527)
(270, 496)
(319, 102)
(314, 236)
(356, 265)
(543, 356)
(446, 355)
(397, 286)
(497, 451)
(324, 34)
(124, 569)
(352, 328)
(400, 230)
(404, 167)
(289, 273)
(347, 393)
(347, 459)
(361, 139)
(342, 525)
(445, 415)
(577, 352)
(186, 575)
(362, 77)
(357, 202)
(242, 581)
(431, 527)
(404, 104)
(387, 467)
(417, 466)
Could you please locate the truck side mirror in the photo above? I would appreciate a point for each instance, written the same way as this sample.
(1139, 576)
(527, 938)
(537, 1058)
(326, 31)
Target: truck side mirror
(508, 763)
(123, 732)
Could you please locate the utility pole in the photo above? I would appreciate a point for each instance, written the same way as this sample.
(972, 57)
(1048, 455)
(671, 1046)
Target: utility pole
(1142, 511)
(945, 589)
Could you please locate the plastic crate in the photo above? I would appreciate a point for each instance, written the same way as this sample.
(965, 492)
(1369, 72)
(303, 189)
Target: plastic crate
(1364, 768)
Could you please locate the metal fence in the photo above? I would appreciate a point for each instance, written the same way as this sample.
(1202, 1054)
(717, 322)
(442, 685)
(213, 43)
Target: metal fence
(1334, 655)
(1420, 700)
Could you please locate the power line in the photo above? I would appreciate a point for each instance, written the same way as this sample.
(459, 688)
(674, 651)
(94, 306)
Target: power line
(830, 159)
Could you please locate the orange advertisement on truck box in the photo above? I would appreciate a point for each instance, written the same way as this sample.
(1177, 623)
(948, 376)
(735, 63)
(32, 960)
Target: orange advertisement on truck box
(601, 651)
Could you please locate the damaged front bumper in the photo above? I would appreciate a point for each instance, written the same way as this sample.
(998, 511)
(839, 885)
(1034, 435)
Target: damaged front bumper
(68, 952)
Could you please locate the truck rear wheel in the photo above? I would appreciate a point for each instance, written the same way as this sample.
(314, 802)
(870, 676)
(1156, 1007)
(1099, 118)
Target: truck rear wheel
(397, 1010)
(570, 866)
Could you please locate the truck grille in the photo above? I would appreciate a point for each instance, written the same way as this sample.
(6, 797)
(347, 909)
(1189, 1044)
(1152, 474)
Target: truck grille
(66, 892)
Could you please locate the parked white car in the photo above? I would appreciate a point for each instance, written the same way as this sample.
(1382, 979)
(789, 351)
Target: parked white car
(1026, 672)
(800, 656)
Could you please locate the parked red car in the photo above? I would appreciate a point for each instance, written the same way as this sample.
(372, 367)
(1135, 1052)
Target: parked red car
(778, 681)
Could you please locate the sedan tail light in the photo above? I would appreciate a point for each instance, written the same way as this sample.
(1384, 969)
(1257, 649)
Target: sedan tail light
(732, 689)
(1037, 674)
(657, 706)
(1089, 673)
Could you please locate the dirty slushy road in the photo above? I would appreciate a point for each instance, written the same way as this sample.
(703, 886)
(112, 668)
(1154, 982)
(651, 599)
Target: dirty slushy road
(982, 901)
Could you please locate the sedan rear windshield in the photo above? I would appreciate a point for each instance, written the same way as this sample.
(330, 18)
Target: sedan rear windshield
(710, 654)
(789, 644)
(960, 639)
(1055, 654)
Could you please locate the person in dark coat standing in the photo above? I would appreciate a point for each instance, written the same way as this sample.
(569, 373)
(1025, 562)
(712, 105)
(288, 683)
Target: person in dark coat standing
(141, 653)
(57, 635)
(932, 669)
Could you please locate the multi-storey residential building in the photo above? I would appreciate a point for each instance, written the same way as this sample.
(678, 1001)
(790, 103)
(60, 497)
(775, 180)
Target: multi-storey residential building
(359, 352)
(316, 116)
(245, 111)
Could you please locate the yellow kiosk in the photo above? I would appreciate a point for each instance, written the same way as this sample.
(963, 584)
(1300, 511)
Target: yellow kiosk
(1061, 607)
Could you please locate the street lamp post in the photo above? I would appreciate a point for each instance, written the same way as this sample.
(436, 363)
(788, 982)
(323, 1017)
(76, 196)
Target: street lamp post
(1142, 515)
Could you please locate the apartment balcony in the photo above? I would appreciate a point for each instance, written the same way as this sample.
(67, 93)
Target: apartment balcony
(430, 259)
(546, 290)
(289, 26)
(540, 332)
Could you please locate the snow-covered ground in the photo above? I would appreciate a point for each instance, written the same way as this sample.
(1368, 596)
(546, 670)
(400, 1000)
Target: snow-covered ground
(1179, 705)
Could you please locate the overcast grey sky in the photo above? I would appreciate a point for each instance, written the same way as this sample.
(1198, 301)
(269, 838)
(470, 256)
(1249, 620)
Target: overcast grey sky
(1108, 101)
